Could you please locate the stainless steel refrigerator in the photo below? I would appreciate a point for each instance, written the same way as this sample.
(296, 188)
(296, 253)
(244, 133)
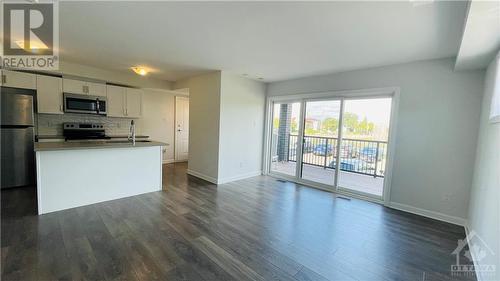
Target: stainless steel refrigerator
(17, 136)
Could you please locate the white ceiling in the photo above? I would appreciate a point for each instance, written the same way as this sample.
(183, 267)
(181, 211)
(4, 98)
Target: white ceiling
(273, 40)
(481, 37)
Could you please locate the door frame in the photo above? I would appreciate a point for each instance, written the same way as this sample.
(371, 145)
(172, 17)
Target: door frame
(176, 98)
(392, 92)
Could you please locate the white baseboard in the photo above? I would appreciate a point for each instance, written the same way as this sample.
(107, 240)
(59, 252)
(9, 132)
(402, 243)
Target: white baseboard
(474, 259)
(429, 214)
(224, 180)
(239, 177)
(202, 176)
(168, 161)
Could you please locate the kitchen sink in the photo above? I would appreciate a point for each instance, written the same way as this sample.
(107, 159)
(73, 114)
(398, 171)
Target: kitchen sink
(124, 141)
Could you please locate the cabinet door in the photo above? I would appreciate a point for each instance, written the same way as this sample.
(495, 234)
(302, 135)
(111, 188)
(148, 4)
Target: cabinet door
(49, 94)
(115, 101)
(16, 79)
(133, 103)
(74, 86)
(96, 89)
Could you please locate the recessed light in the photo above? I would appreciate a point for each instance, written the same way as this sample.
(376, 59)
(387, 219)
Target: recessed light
(260, 78)
(143, 71)
(245, 75)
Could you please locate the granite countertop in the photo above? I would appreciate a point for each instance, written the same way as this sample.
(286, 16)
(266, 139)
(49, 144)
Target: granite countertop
(110, 136)
(74, 145)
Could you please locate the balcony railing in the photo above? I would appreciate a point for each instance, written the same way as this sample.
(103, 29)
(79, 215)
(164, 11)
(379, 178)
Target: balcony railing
(365, 157)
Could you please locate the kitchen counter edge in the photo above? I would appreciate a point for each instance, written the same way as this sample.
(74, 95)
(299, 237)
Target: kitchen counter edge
(54, 146)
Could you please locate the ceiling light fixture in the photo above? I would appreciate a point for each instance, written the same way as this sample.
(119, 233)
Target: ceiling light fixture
(140, 70)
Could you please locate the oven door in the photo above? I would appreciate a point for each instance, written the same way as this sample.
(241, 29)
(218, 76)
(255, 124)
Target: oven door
(84, 104)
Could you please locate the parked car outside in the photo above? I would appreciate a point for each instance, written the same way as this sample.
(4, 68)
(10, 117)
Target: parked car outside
(323, 150)
(369, 154)
(354, 165)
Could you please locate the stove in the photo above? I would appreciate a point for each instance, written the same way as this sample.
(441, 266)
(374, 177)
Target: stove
(84, 131)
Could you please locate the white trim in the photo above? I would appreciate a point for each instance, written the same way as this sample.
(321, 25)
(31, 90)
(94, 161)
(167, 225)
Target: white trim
(239, 177)
(428, 214)
(340, 136)
(388, 91)
(392, 92)
(391, 145)
(267, 138)
(168, 161)
(202, 176)
(473, 255)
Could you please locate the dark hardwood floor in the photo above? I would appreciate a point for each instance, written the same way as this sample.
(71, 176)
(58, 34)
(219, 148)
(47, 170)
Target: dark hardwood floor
(255, 229)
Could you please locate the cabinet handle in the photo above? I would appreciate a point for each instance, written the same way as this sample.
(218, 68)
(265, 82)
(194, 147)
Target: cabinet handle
(4, 79)
(61, 108)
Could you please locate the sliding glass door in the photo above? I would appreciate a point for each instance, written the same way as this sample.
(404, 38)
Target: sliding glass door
(364, 145)
(336, 143)
(321, 131)
(284, 137)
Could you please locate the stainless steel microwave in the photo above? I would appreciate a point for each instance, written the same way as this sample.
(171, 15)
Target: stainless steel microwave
(74, 103)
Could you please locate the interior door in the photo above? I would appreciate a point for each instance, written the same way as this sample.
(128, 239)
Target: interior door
(181, 128)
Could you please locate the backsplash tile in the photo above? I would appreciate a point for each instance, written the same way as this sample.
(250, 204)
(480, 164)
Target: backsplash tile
(52, 124)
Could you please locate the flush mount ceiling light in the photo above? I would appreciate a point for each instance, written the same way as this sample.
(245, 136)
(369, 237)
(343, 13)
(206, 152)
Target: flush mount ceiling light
(141, 70)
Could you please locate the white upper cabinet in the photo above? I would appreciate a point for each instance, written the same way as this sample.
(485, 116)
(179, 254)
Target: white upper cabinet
(96, 89)
(115, 101)
(74, 86)
(124, 102)
(16, 79)
(84, 88)
(133, 107)
(49, 94)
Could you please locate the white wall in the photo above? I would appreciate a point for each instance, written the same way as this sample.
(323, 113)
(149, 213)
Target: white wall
(204, 109)
(436, 131)
(129, 79)
(484, 209)
(241, 127)
(158, 119)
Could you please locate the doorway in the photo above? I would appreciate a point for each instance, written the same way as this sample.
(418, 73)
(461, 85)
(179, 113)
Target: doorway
(339, 141)
(181, 129)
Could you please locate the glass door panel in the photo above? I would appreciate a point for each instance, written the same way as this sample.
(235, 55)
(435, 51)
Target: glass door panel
(284, 138)
(363, 149)
(321, 127)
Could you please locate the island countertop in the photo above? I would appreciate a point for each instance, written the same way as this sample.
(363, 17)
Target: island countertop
(74, 145)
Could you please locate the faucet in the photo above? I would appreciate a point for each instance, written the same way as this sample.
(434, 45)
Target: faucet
(131, 132)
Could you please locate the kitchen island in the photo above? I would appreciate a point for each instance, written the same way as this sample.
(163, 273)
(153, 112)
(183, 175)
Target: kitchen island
(73, 174)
